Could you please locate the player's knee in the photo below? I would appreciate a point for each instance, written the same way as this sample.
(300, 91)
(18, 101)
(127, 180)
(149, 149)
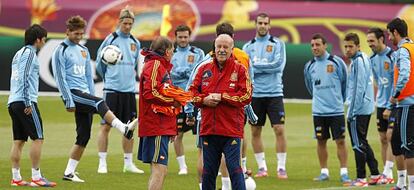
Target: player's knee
(105, 128)
(102, 108)
(82, 140)
(279, 130)
(384, 140)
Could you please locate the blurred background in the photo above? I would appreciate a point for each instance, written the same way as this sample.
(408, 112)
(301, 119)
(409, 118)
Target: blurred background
(293, 21)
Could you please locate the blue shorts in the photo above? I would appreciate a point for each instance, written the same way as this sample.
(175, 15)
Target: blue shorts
(154, 149)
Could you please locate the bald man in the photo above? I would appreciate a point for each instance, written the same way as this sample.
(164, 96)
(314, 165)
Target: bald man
(222, 87)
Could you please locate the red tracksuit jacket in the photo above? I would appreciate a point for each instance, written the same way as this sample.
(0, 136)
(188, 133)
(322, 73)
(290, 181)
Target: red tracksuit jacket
(155, 73)
(234, 85)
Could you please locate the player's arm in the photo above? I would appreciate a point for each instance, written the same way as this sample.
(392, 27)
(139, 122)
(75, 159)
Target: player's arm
(153, 86)
(343, 76)
(307, 77)
(243, 95)
(26, 63)
(59, 73)
(360, 84)
(404, 68)
(101, 67)
(279, 60)
(195, 88)
(88, 74)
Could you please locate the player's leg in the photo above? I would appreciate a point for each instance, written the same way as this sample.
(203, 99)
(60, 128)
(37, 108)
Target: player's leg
(337, 126)
(321, 135)
(212, 152)
(98, 105)
(232, 154)
(259, 108)
(225, 178)
(276, 113)
(407, 123)
(397, 150)
(359, 152)
(83, 130)
(370, 156)
(126, 112)
(19, 139)
(103, 147)
(385, 133)
(154, 150)
(178, 144)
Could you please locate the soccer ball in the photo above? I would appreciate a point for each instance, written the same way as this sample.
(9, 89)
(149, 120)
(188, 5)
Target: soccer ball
(250, 183)
(111, 55)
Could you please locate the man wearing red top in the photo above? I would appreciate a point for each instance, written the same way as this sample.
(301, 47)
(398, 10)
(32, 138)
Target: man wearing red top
(221, 89)
(155, 128)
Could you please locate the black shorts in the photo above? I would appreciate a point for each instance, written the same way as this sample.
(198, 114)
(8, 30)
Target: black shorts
(270, 106)
(324, 124)
(25, 126)
(402, 140)
(153, 149)
(122, 104)
(392, 119)
(182, 125)
(382, 124)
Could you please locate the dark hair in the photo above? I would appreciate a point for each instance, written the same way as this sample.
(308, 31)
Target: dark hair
(262, 15)
(33, 33)
(160, 45)
(378, 32)
(182, 28)
(75, 23)
(225, 28)
(399, 25)
(352, 37)
(319, 36)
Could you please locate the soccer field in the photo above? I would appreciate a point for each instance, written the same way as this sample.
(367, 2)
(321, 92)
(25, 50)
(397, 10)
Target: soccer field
(59, 131)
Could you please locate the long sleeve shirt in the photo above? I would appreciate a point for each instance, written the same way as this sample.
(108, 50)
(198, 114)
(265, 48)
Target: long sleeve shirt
(24, 80)
(403, 65)
(325, 79)
(72, 70)
(383, 72)
(360, 89)
(184, 60)
(121, 76)
(268, 59)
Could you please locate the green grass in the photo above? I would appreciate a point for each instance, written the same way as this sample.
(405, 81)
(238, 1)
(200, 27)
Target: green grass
(59, 131)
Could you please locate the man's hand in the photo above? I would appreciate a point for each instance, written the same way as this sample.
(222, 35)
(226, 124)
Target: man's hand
(393, 100)
(386, 114)
(211, 100)
(28, 110)
(190, 121)
(70, 109)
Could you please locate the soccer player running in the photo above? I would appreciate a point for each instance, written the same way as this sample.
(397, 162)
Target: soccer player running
(382, 69)
(119, 88)
(360, 96)
(402, 140)
(222, 87)
(156, 129)
(184, 59)
(325, 79)
(73, 75)
(23, 110)
(268, 58)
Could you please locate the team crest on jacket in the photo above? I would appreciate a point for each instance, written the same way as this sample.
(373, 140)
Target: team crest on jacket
(84, 54)
(190, 59)
(233, 76)
(133, 47)
(386, 66)
(269, 48)
(330, 68)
